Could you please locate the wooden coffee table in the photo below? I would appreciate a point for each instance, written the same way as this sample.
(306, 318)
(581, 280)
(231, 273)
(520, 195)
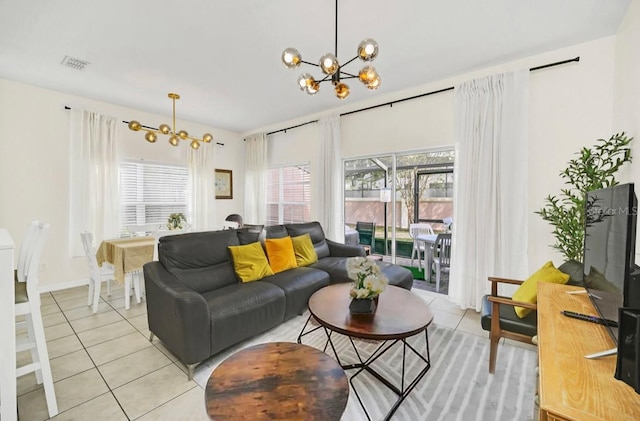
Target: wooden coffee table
(399, 315)
(277, 381)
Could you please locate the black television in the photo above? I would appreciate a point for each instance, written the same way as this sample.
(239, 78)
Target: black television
(610, 275)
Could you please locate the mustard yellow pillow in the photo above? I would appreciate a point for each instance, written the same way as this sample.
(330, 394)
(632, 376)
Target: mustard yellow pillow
(249, 262)
(280, 253)
(528, 291)
(304, 250)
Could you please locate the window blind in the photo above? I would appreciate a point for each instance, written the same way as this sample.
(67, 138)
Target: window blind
(151, 192)
(288, 195)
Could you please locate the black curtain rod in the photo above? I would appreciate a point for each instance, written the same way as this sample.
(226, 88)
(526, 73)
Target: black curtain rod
(451, 88)
(66, 107)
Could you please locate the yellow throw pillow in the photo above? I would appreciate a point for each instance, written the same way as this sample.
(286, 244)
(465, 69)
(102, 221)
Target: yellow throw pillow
(280, 253)
(528, 291)
(249, 262)
(304, 250)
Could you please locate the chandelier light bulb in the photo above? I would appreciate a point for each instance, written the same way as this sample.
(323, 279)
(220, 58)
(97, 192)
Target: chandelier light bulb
(342, 90)
(368, 49)
(313, 87)
(374, 84)
(151, 137)
(173, 140)
(291, 58)
(207, 138)
(305, 80)
(367, 74)
(134, 125)
(183, 134)
(195, 144)
(329, 64)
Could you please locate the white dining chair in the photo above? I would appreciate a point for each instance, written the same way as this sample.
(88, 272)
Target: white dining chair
(230, 225)
(27, 304)
(97, 274)
(418, 246)
(25, 248)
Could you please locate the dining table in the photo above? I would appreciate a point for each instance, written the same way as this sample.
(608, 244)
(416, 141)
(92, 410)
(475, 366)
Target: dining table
(429, 240)
(128, 256)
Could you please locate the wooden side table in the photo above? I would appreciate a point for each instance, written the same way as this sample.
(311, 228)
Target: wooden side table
(277, 380)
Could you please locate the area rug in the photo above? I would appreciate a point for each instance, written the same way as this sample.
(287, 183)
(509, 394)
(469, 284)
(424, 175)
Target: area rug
(457, 387)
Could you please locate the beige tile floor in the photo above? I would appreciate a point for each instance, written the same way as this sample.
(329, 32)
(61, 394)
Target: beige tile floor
(105, 368)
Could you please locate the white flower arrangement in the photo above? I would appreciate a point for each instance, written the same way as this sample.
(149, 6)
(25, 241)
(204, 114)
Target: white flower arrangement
(368, 280)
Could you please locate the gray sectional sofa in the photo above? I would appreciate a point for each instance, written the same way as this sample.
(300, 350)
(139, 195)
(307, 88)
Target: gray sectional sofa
(198, 307)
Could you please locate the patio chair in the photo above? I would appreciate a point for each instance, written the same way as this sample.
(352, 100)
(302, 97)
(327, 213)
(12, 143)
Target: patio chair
(367, 234)
(418, 246)
(441, 256)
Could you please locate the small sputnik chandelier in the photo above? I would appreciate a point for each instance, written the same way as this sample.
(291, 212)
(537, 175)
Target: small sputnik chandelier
(175, 136)
(367, 52)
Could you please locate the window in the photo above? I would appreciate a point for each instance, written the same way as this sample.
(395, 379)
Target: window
(288, 195)
(151, 192)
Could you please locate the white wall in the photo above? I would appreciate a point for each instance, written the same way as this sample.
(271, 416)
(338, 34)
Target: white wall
(34, 165)
(627, 92)
(570, 107)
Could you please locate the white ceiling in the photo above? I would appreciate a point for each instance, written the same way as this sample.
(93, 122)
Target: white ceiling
(223, 57)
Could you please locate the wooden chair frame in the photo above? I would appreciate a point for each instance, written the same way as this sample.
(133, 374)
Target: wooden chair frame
(496, 331)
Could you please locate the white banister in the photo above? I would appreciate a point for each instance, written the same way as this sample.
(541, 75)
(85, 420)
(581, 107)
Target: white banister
(8, 399)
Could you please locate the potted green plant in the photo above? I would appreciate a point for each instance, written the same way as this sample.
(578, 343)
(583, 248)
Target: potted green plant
(176, 221)
(593, 169)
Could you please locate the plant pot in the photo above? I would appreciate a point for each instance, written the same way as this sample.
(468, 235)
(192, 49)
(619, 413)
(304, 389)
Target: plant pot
(362, 306)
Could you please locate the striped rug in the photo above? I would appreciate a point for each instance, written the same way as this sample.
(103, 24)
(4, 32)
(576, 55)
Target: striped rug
(457, 387)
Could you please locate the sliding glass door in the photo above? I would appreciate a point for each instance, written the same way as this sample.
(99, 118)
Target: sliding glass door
(395, 190)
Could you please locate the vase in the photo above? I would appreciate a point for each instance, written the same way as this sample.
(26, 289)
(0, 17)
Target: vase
(362, 306)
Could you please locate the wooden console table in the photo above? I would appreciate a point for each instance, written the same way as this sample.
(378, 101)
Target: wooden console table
(572, 387)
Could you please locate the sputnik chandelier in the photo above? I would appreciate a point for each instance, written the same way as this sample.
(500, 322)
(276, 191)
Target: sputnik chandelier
(174, 136)
(367, 52)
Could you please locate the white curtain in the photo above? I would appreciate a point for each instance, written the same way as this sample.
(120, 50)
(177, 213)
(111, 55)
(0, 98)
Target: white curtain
(255, 184)
(201, 188)
(327, 180)
(95, 199)
(490, 192)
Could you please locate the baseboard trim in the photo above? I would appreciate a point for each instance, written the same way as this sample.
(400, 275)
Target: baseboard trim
(63, 285)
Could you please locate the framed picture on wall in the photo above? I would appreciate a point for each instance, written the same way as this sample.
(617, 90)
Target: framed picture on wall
(224, 184)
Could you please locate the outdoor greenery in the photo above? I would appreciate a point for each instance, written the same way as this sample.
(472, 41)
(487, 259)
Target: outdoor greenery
(370, 174)
(593, 169)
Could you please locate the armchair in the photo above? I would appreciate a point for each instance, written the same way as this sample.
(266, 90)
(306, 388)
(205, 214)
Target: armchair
(499, 318)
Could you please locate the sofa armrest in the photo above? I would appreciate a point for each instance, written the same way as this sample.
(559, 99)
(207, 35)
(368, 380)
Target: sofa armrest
(343, 250)
(177, 315)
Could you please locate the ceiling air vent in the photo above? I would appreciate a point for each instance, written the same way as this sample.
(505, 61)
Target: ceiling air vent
(74, 63)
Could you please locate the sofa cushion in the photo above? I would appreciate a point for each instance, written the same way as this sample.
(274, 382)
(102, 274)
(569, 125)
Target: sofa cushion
(315, 232)
(527, 292)
(336, 267)
(249, 234)
(508, 319)
(250, 262)
(243, 310)
(276, 231)
(200, 260)
(280, 254)
(298, 286)
(304, 251)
